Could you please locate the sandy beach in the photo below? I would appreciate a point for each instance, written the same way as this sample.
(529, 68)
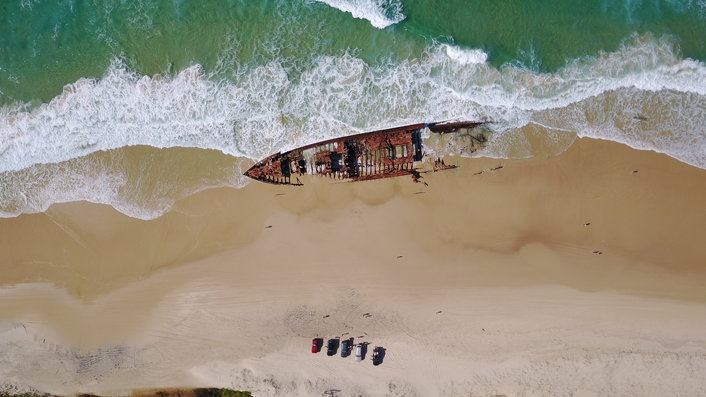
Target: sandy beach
(580, 274)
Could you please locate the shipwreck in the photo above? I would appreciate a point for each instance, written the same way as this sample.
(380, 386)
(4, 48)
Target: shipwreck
(371, 155)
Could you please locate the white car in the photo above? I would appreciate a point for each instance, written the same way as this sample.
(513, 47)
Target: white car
(359, 352)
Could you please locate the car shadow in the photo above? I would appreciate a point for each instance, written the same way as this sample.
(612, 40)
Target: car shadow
(363, 350)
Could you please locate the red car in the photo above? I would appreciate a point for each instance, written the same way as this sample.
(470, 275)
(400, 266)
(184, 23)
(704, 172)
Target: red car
(316, 344)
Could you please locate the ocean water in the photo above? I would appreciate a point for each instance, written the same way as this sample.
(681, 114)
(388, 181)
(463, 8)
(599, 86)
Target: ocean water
(138, 103)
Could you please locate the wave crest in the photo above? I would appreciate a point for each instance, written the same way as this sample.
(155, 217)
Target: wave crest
(380, 13)
(465, 56)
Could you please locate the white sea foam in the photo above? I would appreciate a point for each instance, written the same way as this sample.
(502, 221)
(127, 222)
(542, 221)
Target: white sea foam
(643, 95)
(36, 188)
(142, 187)
(28, 3)
(380, 13)
(465, 56)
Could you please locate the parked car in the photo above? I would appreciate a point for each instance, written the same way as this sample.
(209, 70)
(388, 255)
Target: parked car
(331, 347)
(377, 355)
(359, 352)
(345, 348)
(316, 345)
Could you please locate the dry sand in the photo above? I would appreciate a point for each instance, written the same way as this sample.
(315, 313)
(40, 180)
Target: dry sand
(480, 283)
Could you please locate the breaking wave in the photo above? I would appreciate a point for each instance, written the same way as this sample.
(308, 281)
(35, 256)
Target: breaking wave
(380, 13)
(643, 95)
(465, 56)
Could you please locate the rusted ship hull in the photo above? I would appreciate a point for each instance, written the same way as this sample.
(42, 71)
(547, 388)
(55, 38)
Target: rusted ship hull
(372, 155)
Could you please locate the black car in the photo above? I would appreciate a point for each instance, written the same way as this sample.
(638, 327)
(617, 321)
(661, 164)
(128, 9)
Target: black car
(378, 353)
(331, 347)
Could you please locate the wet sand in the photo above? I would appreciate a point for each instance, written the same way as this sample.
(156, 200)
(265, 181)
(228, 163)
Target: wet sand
(580, 273)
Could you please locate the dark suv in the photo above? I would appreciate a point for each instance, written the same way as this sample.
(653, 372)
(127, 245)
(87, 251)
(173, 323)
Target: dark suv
(331, 347)
(378, 354)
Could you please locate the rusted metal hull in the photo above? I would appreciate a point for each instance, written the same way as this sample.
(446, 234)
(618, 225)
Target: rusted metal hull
(371, 155)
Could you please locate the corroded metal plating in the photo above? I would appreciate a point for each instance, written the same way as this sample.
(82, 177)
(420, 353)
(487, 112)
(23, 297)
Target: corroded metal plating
(371, 155)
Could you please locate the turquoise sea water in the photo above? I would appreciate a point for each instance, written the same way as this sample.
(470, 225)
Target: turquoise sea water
(250, 77)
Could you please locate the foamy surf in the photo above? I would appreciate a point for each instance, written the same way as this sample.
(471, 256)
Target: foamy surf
(142, 182)
(465, 56)
(642, 95)
(380, 13)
